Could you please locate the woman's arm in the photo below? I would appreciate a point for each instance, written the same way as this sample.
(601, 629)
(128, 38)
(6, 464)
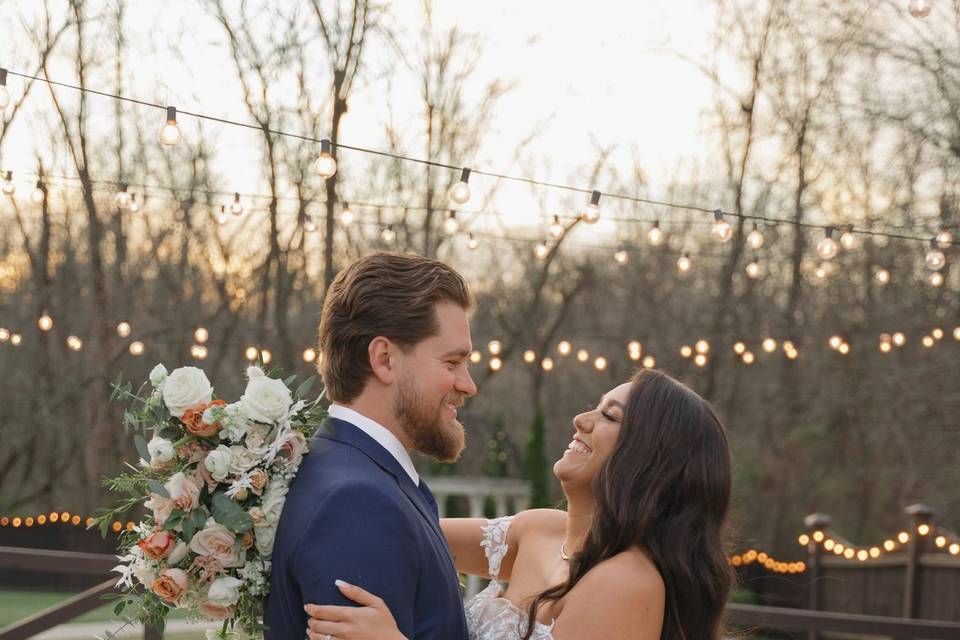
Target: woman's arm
(463, 537)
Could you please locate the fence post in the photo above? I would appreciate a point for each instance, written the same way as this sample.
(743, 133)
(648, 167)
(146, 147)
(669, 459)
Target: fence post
(817, 524)
(920, 516)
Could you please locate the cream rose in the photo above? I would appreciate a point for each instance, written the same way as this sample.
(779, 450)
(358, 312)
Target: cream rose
(179, 553)
(160, 506)
(241, 459)
(157, 375)
(217, 463)
(186, 388)
(224, 591)
(294, 446)
(217, 542)
(184, 493)
(266, 399)
(265, 537)
(161, 451)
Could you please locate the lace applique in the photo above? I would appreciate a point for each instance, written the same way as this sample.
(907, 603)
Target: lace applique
(495, 543)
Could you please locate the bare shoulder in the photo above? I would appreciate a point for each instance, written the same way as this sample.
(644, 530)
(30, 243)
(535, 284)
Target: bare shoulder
(629, 572)
(539, 522)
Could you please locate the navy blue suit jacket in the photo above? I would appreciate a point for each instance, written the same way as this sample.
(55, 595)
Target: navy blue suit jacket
(353, 513)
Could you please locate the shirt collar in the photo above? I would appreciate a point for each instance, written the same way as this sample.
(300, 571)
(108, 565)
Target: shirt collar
(380, 433)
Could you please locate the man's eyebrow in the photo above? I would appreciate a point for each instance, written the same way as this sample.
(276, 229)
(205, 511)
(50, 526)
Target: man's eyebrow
(456, 353)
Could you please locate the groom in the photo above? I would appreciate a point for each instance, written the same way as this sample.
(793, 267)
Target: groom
(394, 342)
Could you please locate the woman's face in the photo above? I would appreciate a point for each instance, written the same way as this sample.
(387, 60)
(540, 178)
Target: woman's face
(595, 438)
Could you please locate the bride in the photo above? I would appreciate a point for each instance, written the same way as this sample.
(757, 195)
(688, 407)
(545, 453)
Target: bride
(637, 554)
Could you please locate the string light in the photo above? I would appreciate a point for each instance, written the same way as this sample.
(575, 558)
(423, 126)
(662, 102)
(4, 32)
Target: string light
(494, 347)
(748, 357)
(134, 206)
(222, 215)
(899, 339)
(451, 225)
(621, 256)
(721, 231)
(4, 334)
(649, 362)
(346, 216)
(529, 356)
(547, 364)
(739, 348)
(45, 322)
(944, 239)
(472, 242)
(702, 346)
(201, 335)
(310, 225)
(309, 354)
(700, 360)
(237, 207)
(325, 165)
(388, 235)
(136, 348)
(475, 357)
(769, 345)
(591, 214)
(956, 333)
(919, 8)
(655, 234)
(170, 133)
(123, 329)
(564, 348)
(540, 251)
(266, 356)
(935, 279)
(827, 248)
(583, 355)
(496, 364)
(754, 270)
(844, 348)
(937, 333)
(122, 198)
(882, 276)
(4, 92)
(556, 227)
(460, 192)
(198, 351)
(755, 238)
(935, 258)
(250, 353)
(848, 240)
(16, 339)
(600, 363)
(8, 185)
(927, 341)
(39, 193)
(684, 263)
(74, 343)
(686, 351)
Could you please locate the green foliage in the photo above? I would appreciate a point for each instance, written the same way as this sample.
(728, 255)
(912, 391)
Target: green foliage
(536, 467)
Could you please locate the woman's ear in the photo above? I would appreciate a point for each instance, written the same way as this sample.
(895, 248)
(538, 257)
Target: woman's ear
(380, 351)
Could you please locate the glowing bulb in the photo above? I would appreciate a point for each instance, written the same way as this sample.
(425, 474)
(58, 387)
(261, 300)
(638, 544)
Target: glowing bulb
(74, 343)
(748, 357)
(792, 354)
(250, 353)
(556, 228)
(874, 552)
(634, 346)
(927, 341)
(170, 132)
(472, 242)
(944, 239)
(475, 357)
(136, 348)
(849, 241)
(198, 351)
(937, 333)
(529, 356)
(122, 198)
(655, 235)
(936, 279)
(686, 351)
(882, 276)
(804, 540)
(621, 256)
(702, 346)
(935, 258)
(835, 342)
(201, 335)
(541, 250)
(39, 193)
(649, 362)
(923, 529)
(844, 348)
(899, 339)
(754, 270)
(862, 555)
(903, 537)
(818, 536)
(721, 231)
(309, 355)
(494, 347)
(591, 214)
(600, 363)
(451, 225)
(16, 339)
(739, 348)
(236, 208)
(45, 322)
(134, 206)
(325, 165)
(547, 364)
(4, 334)
(266, 356)
(956, 333)
(919, 8)
(496, 364)
(346, 216)
(700, 360)
(755, 238)
(684, 263)
(388, 235)
(955, 549)
(885, 347)
(769, 345)
(827, 248)
(583, 355)
(460, 192)
(564, 348)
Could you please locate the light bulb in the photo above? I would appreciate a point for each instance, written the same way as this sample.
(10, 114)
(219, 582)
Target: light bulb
(684, 263)
(849, 240)
(123, 329)
(655, 235)
(541, 250)
(556, 227)
(45, 322)
(251, 353)
(600, 363)
(460, 192)
(170, 132)
(882, 276)
(621, 256)
(388, 235)
(8, 186)
(649, 362)
(346, 215)
(700, 360)
(495, 347)
(475, 357)
(325, 165)
(591, 214)
(74, 343)
(739, 348)
(769, 345)
(16, 339)
(937, 333)
(702, 346)
(835, 342)
(899, 339)
(944, 237)
(936, 279)
(564, 348)
(754, 270)
(755, 238)
(547, 364)
(496, 364)
(529, 356)
(935, 258)
(122, 198)
(451, 225)
(266, 356)
(919, 8)
(748, 357)
(223, 216)
(236, 208)
(198, 351)
(201, 335)
(134, 206)
(827, 248)
(39, 193)
(686, 351)
(721, 231)
(472, 242)
(309, 355)
(136, 348)
(583, 355)
(4, 92)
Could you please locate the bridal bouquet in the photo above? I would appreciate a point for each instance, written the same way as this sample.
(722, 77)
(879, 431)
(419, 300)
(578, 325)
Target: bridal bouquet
(212, 480)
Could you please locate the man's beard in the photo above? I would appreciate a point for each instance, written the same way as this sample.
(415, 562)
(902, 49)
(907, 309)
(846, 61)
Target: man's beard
(430, 433)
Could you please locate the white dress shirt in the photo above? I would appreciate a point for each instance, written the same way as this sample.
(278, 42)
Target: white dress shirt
(380, 433)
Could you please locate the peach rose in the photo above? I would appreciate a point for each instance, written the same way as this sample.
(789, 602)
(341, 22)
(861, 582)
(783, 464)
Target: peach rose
(216, 611)
(183, 491)
(160, 506)
(157, 545)
(258, 480)
(217, 542)
(192, 420)
(295, 446)
(170, 585)
(247, 540)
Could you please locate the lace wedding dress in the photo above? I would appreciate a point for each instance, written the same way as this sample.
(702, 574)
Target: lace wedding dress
(490, 616)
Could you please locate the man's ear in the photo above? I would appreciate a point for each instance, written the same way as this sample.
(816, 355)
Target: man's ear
(382, 362)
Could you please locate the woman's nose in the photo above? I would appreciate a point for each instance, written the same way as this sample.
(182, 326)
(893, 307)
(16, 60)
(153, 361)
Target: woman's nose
(583, 422)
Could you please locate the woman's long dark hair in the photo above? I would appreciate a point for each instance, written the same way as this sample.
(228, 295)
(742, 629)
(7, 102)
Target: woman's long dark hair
(665, 489)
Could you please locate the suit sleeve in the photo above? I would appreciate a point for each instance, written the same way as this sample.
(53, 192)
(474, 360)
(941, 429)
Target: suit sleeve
(362, 535)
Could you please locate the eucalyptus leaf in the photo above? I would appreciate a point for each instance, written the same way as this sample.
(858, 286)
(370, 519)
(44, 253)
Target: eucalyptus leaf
(170, 433)
(141, 445)
(230, 514)
(188, 529)
(158, 488)
(289, 381)
(304, 387)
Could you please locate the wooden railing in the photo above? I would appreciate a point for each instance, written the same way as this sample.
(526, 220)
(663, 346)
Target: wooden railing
(757, 618)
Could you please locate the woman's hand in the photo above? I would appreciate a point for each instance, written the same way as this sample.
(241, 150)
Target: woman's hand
(370, 621)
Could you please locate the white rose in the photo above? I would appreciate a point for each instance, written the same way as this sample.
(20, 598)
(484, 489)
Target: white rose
(179, 553)
(157, 375)
(266, 399)
(160, 450)
(217, 463)
(255, 372)
(185, 388)
(144, 574)
(224, 591)
(241, 459)
(265, 537)
(273, 499)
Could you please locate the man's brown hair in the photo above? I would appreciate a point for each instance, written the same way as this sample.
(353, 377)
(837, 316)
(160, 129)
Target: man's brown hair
(383, 294)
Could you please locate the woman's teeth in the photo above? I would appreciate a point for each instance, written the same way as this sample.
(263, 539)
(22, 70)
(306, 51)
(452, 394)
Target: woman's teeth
(578, 447)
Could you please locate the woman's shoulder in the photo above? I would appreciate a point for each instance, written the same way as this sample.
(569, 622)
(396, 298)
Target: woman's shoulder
(631, 571)
(534, 522)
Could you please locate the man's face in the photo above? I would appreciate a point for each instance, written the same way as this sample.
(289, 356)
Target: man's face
(433, 383)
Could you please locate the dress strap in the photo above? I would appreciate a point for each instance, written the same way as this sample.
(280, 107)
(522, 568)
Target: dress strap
(494, 543)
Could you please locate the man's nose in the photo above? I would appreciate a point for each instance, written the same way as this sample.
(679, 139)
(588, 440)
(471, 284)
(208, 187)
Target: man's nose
(466, 385)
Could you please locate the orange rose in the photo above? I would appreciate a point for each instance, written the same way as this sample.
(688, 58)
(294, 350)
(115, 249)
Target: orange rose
(247, 540)
(192, 420)
(170, 585)
(157, 545)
